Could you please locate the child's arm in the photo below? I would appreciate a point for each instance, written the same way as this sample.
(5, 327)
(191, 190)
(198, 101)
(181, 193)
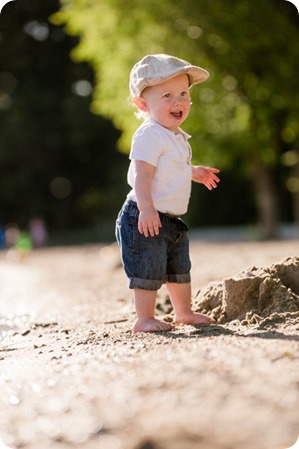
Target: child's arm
(205, 175)
(149, 220)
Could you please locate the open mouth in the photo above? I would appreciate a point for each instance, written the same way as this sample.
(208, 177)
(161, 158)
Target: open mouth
(177, 115)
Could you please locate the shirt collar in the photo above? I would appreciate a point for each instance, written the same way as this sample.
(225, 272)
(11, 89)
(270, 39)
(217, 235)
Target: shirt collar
(183, 133)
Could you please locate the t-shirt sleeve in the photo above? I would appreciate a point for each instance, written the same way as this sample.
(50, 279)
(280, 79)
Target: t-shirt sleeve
(146, 146)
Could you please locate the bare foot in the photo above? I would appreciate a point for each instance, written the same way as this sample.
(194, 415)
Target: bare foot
(194, 318)
(151, 325)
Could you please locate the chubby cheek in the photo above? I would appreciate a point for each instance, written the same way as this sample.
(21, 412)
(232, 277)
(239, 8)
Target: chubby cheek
(186, 109)
(188, 104)
(162, 112)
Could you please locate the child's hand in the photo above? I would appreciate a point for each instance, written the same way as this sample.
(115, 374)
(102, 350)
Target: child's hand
(149, 222)
(205, 175)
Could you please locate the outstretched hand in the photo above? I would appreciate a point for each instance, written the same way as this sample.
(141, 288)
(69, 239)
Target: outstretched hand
(206, 176)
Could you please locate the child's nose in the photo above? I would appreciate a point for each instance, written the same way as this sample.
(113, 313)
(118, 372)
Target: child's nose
(176, 100)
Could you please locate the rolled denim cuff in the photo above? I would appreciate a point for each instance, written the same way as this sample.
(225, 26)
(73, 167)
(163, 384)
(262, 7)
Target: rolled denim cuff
(179, 278)
(144, 284)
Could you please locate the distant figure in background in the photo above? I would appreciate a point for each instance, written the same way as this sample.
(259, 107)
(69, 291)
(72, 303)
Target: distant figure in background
(23, 244)
(12, 233)
(38, 232)
(18, 242)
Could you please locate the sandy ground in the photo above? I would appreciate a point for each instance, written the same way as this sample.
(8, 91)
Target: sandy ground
(72, 375)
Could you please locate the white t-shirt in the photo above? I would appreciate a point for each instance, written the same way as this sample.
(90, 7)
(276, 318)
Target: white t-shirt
(171, 154)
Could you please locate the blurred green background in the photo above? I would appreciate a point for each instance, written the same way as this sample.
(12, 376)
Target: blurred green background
(66, 122)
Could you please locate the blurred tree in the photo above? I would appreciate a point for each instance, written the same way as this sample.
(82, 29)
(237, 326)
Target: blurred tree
(57, 159)
(245, 117)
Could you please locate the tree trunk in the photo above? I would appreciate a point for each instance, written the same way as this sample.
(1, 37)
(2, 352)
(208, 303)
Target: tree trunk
(266, 200)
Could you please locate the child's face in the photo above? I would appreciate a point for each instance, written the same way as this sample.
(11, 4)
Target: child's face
(168, 103)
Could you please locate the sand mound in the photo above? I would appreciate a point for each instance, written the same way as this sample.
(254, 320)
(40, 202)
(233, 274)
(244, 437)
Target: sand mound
(254, 294)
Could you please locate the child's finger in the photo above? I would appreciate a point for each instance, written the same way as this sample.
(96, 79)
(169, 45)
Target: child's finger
(142, 228)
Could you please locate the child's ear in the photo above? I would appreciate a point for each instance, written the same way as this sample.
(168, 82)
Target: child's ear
(140, 103)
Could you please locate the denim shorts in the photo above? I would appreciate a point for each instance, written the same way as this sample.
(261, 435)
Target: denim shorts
(151, 261)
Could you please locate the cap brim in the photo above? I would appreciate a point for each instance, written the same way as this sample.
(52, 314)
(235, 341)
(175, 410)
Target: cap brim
(196, 75)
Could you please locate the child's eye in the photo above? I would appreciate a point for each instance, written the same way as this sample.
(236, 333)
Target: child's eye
(167, 95)
(184, 93)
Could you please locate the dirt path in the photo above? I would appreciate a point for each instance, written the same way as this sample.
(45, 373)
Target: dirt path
(72, 375)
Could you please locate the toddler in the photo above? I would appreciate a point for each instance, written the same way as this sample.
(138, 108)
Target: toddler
(152, 237)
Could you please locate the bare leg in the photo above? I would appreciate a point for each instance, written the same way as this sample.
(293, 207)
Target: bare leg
(145, 301)
(180, 295)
